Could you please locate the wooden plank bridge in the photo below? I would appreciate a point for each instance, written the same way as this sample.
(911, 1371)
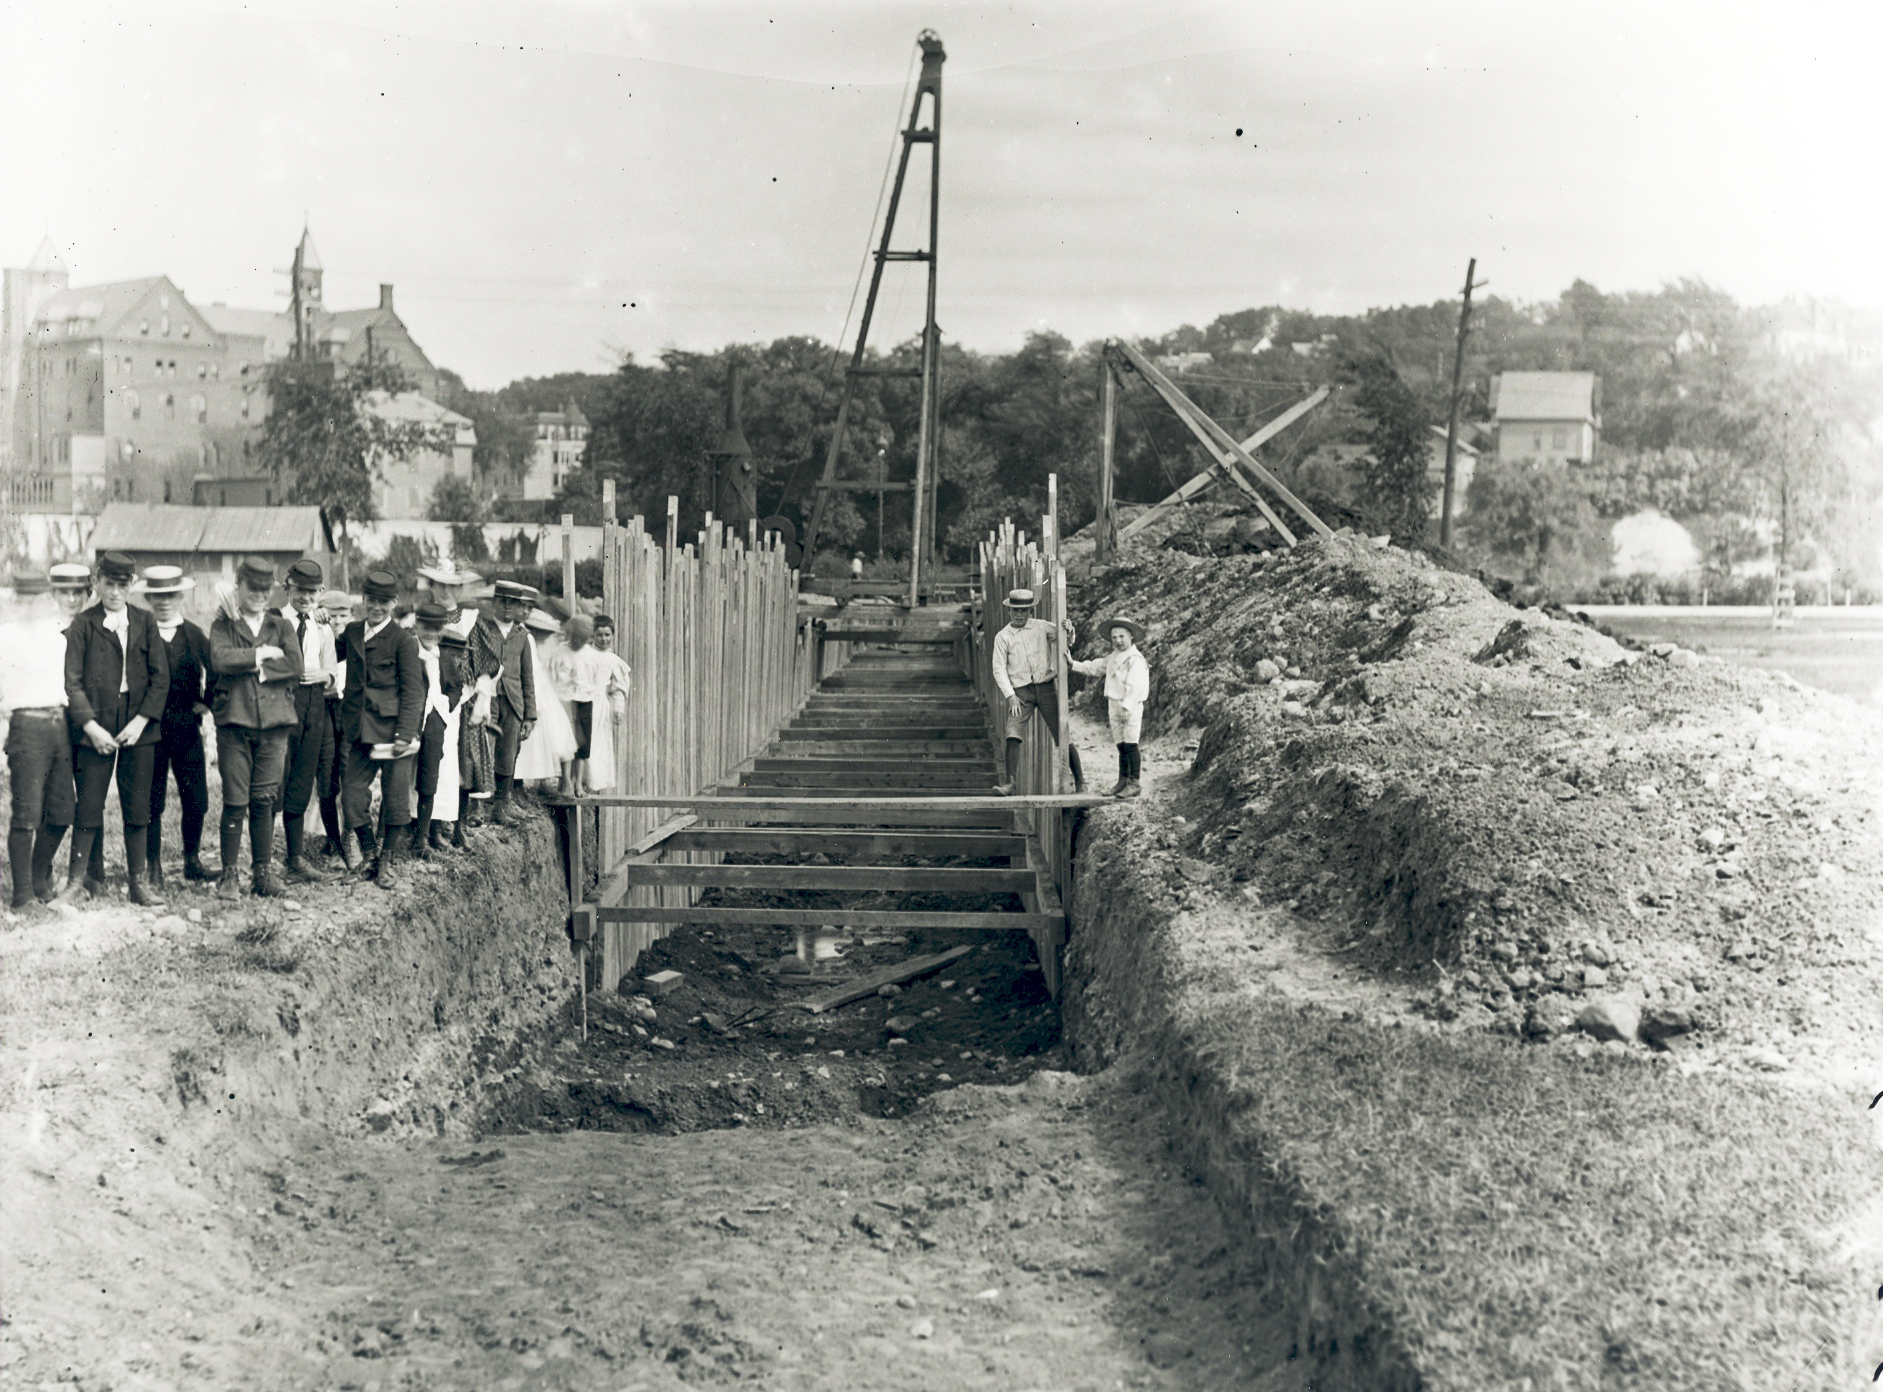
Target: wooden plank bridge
(787, 745)
(880, 786)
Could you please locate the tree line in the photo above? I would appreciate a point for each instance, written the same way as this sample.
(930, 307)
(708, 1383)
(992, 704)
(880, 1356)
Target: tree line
(1702, 418)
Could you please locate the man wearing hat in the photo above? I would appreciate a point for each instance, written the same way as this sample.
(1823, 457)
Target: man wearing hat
(1027, 674)
(117, 681)
(39, 747)
(1127, 687)
(312, 733)
(180, 746)
(501, 666)
(380, 715)
(257, 666)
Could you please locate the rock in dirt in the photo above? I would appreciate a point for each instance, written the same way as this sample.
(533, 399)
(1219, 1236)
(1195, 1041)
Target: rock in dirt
(1683, 657)
(1267, 671)
(900, 1024)
(379, 1115)
(1597, 953)
(661, 982)
(1549, 1017)
(1197, 871)
(1660, 1023)
(1165, 1350)
(171, 923)
(1592, 977)
(923, 1329)
(888, 988)
(1767, 1060)
(195, 915)
(1610, 1017)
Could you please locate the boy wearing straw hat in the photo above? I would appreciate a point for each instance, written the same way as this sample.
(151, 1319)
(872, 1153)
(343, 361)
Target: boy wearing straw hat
(502, 667)
(1025, 672)
(1127, 687)
(116, 683)
(180, 746)
(257, 664)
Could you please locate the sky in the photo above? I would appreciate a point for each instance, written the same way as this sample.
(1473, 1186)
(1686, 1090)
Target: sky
(550, 185)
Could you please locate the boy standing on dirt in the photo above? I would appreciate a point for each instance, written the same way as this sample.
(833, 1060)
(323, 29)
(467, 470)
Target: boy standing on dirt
(39, 751)
(382, 712)
(1127, 687)
(312, 729)
(1025, 672)
(257, 666)
(180, 746)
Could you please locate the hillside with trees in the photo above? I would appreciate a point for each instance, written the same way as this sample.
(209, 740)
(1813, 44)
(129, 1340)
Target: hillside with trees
(1702, 419)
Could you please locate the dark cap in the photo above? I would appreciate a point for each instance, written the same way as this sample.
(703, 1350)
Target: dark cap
(115, 565)
(432, 614)
(255, 571)
(451, 638)
(306, 574)
(27, 582)
(379, 584)
(510, 589)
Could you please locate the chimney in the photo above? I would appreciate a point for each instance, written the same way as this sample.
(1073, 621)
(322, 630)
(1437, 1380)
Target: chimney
(385, 297)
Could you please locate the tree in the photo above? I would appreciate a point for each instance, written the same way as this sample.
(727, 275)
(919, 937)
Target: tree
(1538, 523)
(325, 444)
(1398, 444)
(457, 501)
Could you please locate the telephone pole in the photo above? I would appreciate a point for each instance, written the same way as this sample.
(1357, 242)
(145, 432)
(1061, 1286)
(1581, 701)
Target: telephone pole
(1451, 423)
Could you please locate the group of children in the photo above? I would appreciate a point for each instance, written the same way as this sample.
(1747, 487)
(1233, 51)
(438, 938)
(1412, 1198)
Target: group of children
(440, 709)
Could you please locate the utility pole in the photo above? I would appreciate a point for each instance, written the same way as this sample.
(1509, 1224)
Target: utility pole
(1451, 423)
(1108, 436)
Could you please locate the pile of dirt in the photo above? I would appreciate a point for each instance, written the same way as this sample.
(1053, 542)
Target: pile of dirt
(1514, 808)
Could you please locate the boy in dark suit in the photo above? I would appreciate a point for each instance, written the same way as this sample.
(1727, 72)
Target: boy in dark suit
(180, 746)
(444, 686)
(502, 666)
(257, 665)
(116, 683)
(312, 731)
(385, 699)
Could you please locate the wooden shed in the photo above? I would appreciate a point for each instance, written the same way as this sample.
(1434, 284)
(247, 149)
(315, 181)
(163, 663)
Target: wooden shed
(208, 542)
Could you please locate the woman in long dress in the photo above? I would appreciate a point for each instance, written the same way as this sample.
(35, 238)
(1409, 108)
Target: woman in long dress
(610, 717)
(552, 742)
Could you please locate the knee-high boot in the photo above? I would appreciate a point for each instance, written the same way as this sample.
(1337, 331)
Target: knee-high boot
(45, 851)
(261, 834)
(20, 861)
(83, 839)
(136, 845)
(229, 883)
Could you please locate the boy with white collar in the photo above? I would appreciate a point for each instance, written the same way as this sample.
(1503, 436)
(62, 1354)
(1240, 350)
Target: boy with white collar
(1127, 687)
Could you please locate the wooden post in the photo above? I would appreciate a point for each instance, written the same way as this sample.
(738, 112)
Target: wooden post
(568, 560)
(608, 501)
(1451, 421)
(1108, 432)
(673, 522)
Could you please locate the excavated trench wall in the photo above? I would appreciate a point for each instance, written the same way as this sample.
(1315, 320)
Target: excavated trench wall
(1145, 983)
(403, 1012)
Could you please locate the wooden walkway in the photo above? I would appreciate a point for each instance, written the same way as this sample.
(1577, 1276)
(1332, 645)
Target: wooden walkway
(882, 785)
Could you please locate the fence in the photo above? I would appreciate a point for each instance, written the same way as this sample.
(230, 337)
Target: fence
(1008, 561)
(721, 662)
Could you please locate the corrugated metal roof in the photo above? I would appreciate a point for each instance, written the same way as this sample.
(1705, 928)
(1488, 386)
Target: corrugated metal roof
(170, 527)
(1546, 396)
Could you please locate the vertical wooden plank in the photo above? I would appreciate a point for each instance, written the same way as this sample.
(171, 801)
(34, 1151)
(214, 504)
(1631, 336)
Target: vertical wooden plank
(568, 560)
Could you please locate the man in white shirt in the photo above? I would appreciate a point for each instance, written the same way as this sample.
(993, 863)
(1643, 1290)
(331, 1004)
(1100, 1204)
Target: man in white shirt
(39, 754)
(308, 737)
(1027, 672)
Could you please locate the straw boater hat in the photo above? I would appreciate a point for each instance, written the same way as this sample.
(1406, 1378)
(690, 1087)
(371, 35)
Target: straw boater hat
(543, 621)
(1131, 626)
(70, 575)
(163, 580)
(1019, 599)
(447, 573)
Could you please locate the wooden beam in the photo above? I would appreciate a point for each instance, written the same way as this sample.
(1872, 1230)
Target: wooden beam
(888, 976)
(705, 805)
(965, 879)
(615, 884)
(908, 920)
(1214, 473)
(1220, 441)
(850, 845)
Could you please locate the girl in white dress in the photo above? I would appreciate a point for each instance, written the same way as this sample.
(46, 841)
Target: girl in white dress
(610, 719)
(581, 673)
(552, 743)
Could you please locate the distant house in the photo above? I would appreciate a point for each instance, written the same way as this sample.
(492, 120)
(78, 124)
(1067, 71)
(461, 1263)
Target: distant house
(1546, 418)
(561, 439)
(403, 490)
(208, 542)
(1184, 362)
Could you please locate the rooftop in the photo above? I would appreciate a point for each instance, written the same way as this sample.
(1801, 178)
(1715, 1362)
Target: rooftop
(171, 527)
(1551, 396)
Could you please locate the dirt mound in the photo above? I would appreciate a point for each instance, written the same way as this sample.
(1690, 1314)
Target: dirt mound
(1514, 805)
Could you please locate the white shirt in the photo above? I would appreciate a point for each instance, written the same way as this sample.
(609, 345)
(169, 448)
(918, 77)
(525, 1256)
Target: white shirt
(371, 633)
(32, 666)
(119, 624)
(1127, 676)
(1024, 656)
(316, 647)
(434, 683)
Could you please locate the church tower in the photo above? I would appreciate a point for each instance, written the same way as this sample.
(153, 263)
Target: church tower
(305, 296)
